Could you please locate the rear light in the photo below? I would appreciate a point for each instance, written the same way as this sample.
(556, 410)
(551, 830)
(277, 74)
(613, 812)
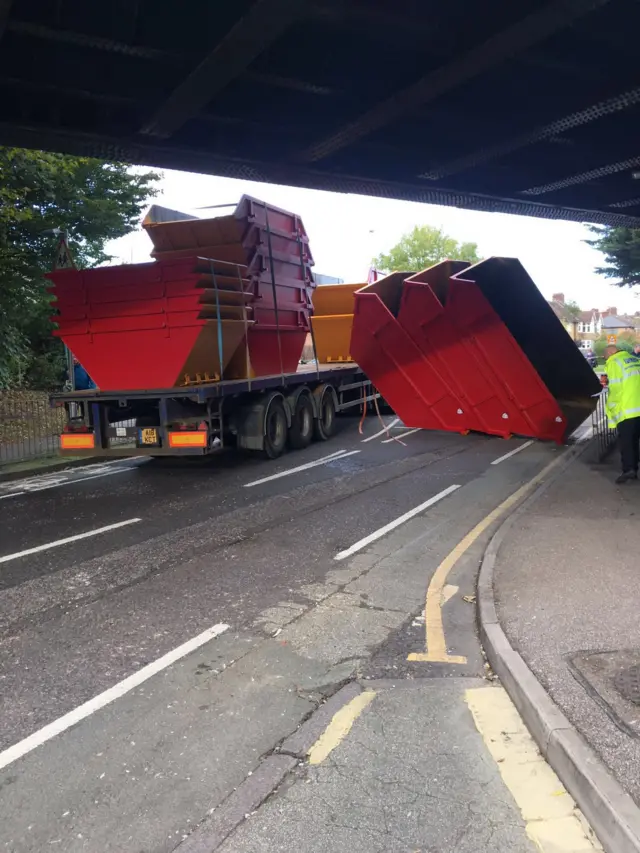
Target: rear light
(77, 441)
(192, 438)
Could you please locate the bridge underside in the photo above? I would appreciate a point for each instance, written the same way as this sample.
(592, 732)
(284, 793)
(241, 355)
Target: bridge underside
(522, 107)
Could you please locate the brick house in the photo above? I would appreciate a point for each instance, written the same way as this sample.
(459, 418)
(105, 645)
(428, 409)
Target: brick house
(614, 324)
(589, 326)
(586, 327)
(564, 314)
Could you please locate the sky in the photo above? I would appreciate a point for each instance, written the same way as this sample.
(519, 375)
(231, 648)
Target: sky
(346, 231)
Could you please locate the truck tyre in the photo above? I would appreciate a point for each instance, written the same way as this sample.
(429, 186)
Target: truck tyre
(275, 429)
(324, 426)
(301, 429)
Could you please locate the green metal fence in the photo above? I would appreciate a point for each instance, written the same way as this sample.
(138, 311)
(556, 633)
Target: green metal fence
(29, 427)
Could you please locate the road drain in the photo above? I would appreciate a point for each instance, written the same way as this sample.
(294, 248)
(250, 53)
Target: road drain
(627, 683)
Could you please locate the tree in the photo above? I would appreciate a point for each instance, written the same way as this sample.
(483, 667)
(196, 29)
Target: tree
(621, 250)
(625, 341)
(93, 202)
(573, 310)
(422, 247)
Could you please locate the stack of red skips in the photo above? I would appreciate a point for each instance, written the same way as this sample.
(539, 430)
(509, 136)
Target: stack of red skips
(227, 298)
(463, 348)
(271, 247)
(148, 326)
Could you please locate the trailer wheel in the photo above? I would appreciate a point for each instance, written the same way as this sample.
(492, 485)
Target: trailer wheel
(301, 429)
(275, 429)
(324, 426)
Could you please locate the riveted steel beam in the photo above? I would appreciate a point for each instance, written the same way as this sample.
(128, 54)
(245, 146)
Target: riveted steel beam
(604, 108)
(140, 51)
(630, 202)
(197, 160)
(505, 44)
(44, 33)
(583, 177)
(265, 21)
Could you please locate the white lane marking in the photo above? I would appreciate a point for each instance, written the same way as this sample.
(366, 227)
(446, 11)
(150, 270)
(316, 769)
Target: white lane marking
(401, 436)
(97, 465)
(67, 475)
(324, 460)
(73, 480)
(31, 486)
(382, 531)
(68, 539)
(513, 453)
(382, 431)
(20, 749)
(21, 485)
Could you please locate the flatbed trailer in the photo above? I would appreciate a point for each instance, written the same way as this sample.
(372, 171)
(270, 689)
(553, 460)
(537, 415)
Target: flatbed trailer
(263, 415)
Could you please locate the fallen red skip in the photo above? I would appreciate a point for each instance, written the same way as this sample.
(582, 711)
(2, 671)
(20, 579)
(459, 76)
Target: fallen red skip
(461, 348)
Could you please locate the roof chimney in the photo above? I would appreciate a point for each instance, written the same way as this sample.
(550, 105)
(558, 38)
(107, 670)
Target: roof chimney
(558, 297)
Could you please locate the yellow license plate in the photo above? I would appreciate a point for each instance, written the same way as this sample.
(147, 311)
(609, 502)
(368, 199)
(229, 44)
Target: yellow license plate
(148, 436)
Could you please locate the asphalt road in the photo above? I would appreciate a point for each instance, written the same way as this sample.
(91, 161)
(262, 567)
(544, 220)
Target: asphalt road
(108, 568)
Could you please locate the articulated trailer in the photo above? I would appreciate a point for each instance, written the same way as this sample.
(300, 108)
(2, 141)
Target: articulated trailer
(262, 415)
(218, 322)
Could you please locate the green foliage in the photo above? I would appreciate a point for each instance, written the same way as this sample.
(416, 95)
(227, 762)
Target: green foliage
(92, 202)
(625, 341)
(573, 310)
(621, 250)
(599, 346)
(423, 246)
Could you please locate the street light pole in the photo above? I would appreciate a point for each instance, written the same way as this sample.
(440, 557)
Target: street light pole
(372, 275)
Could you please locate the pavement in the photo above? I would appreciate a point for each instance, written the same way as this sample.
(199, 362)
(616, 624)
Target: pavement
(249, 655)
(566, 594)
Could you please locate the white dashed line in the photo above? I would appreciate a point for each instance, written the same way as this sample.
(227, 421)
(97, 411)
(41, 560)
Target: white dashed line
(513, 453)
(68, 540)
(23, 747)
(382, 531)
(324, 460)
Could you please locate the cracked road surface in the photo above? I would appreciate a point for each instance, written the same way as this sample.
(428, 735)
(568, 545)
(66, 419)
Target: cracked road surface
(436, 790)
(151, 667)
(426, 766)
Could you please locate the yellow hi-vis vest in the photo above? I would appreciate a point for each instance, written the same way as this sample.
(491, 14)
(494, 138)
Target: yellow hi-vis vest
(623, 399)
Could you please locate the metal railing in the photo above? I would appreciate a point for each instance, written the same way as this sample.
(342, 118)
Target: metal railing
(605, 435)
(29, 427)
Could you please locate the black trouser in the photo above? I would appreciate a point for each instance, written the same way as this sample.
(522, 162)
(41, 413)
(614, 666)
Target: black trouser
(629, 439)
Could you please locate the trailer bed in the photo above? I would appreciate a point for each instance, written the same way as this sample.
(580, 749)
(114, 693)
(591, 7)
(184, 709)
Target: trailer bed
(263, 414)
(224, 388)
